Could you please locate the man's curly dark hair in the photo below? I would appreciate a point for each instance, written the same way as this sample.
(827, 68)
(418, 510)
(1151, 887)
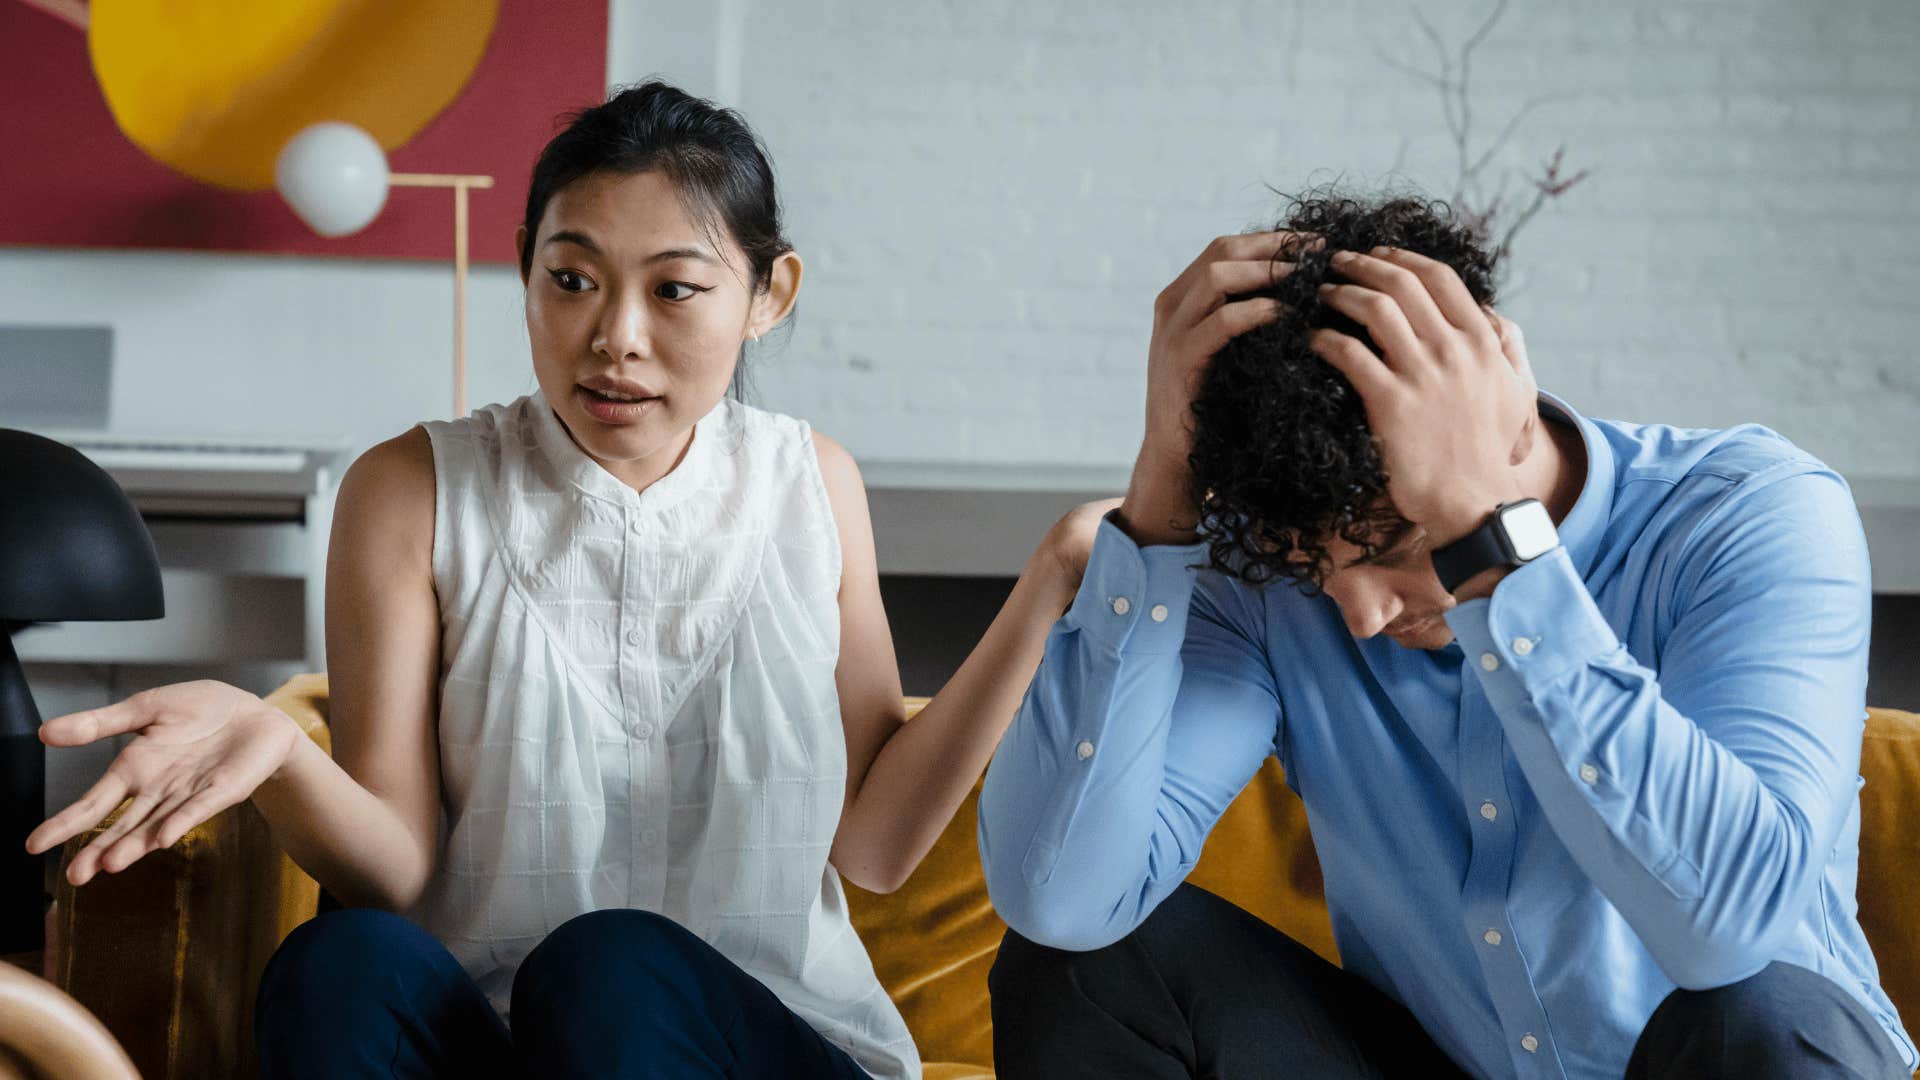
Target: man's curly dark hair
(1283, 457)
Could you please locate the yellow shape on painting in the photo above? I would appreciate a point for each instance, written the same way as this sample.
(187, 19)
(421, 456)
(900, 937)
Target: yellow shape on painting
(214, 88)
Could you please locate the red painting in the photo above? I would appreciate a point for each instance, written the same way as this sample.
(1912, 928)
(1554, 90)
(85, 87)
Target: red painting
(70, 178)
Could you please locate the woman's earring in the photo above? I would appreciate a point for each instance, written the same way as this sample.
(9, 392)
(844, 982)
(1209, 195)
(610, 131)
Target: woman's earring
(755, 335)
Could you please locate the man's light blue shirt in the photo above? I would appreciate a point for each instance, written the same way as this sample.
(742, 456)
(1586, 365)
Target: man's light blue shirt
(1636, 768)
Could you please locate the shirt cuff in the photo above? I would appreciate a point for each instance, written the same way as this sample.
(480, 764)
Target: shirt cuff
(1135, 598)
(1540, 623)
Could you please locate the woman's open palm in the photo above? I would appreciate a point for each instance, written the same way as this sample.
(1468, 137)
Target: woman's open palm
(199, 748)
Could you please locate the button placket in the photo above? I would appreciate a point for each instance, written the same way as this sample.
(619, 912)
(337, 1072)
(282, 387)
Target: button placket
(1490, 861)
(648, 788)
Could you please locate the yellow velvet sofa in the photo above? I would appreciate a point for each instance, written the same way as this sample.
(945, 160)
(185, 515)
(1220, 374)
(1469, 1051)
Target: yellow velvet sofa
(168, 953)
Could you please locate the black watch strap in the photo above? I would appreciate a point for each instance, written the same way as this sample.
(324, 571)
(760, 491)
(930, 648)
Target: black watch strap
(1466, 558)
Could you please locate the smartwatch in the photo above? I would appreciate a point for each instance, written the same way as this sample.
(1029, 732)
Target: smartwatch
(1517, 533)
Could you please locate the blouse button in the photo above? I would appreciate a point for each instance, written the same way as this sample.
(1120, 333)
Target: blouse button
(1122, 605)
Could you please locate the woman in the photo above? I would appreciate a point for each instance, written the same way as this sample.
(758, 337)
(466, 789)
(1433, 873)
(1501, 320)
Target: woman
(613, 693)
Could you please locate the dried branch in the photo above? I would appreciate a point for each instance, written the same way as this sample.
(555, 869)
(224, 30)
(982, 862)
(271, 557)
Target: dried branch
(1513, 123)
(1405, 68)
(1486, 27)
(1550, 185)
(1483, 213)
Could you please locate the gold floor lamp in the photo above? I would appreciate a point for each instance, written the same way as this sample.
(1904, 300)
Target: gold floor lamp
(335, 177)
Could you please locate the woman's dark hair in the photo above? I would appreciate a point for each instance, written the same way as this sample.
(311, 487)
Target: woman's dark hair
(709, 153)
(1283, 457)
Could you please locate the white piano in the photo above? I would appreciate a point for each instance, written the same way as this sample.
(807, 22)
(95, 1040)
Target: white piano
(241, 529)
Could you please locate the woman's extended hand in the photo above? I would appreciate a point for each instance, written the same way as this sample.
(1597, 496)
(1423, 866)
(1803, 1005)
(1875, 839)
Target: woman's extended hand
(200, 747)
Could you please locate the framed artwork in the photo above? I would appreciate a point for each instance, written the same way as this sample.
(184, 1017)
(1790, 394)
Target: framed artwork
(71, 176)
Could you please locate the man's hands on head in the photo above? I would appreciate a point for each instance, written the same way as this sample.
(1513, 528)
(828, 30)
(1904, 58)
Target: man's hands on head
(1193, 318)
(1449, 395)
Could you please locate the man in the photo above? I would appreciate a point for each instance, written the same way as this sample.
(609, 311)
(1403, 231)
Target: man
(1574, 706)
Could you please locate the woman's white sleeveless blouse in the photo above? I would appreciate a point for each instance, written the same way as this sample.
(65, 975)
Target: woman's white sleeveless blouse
(637, 706)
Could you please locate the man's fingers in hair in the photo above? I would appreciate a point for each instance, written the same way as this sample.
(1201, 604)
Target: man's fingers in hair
(1269, 244)
(1443, 284)
(1381, 315)
(1362, 366)
(1218, 281)
(1406, 288)
(1229, 321)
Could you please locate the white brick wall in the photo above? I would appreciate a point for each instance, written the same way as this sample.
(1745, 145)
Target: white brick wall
(988, 195)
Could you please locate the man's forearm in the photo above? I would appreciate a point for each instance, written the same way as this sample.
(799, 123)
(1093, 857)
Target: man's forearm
(1158, 509)
(1097, 805)
(1703, 801)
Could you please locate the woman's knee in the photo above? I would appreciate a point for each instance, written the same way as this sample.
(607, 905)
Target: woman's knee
(639, 951)
(641, 969)
(621, 936)
(348, 949)
(367, 993)
(335, 987)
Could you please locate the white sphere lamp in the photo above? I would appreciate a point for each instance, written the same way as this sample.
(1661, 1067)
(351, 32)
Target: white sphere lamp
(334, 176)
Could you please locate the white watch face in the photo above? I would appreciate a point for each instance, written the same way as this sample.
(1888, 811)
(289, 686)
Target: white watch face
(1530, 530)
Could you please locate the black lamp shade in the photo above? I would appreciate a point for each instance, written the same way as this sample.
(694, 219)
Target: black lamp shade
(72, 548)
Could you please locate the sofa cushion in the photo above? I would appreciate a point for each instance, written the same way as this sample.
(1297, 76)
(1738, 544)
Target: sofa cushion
(1890, 854)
